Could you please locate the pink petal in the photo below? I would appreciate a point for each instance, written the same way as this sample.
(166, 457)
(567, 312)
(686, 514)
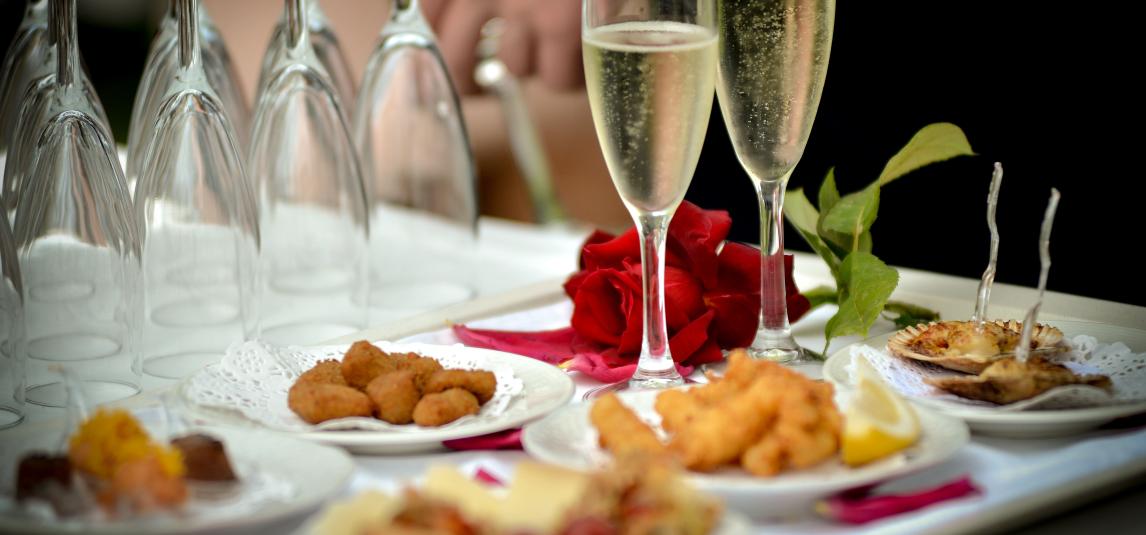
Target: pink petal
(502, 440)
(597, 366)
(549, 346)
(864, 509)
(489, 479)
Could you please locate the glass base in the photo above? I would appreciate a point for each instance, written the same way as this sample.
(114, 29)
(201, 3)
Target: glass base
(94, 393)
(180, 365)
(72, 347)
(306, 333)
(9, 417)
(647, 382)
(778, 346)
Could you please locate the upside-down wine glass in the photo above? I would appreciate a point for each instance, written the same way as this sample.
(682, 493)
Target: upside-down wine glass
(200, 258)
(773, 57)
(422, 179)
(159, 73)
(79, 247)
(326, 48)
(25, 98)
(650, 69)
(311, 197)
(11, 331)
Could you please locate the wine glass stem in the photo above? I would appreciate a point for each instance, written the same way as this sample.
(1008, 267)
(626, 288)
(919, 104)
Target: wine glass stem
(773, 295)
(656, 360)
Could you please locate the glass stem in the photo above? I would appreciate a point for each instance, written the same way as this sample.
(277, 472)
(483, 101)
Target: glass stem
(187, 16)
(63, 29)
(656, 359)
(296, 22)
(773, 294)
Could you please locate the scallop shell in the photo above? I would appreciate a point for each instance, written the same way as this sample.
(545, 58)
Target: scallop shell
(902, 344)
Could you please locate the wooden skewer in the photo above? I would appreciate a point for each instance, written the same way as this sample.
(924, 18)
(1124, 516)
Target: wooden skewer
(1024, 347)
(984, 295)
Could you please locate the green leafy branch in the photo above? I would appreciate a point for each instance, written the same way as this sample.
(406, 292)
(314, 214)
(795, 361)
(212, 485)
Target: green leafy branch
(840, 232)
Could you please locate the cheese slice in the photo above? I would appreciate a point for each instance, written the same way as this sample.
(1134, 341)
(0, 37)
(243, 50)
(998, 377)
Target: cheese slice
(540, 497)
(475, 500)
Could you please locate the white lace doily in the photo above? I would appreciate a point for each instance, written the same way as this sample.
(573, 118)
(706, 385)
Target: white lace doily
(1126, 369)
(253, 378)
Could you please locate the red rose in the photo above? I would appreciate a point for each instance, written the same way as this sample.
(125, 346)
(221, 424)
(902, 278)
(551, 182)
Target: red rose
(712, 293)
(712, 301)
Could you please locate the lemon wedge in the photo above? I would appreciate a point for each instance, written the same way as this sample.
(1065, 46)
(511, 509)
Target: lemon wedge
(878, 422)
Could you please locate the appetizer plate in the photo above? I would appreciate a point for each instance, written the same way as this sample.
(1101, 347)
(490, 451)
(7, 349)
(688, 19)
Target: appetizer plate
(567, 438)
(277, 486)
(545, 388)
(1017, 423)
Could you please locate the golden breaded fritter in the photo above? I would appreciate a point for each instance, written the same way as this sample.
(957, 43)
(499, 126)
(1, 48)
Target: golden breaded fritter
(316, 402)
(363, 362)
(444, 407)
(394, 395)
(327, 372)
(423, 367)
(481, 384)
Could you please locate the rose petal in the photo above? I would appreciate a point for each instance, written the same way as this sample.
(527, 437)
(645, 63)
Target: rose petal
(613, 253)
(739, 267)
(737, 318)
(598, 236)
(553, 346)
(598, 307)
(683, 298)
(691, 338)
(509, 439)
(603, 366)
(693, 238)
(861, 510)
(798, 305)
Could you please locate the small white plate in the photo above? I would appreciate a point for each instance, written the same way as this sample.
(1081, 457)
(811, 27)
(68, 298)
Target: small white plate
(1018, 424)
(546, 387)
(304, 475)
(567, 438)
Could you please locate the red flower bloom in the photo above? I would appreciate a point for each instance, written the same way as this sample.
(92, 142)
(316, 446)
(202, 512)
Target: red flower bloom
(712, 299)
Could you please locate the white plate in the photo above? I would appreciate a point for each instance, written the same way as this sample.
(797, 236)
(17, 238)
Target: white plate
(307, 473)
(546, 387)
(1020, 424)
(566, 438)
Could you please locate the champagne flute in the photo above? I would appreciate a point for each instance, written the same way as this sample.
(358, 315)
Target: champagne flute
(326, 48)
(650, 70)
(773, 60)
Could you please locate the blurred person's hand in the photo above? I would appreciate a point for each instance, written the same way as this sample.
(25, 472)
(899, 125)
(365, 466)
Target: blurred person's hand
(541, 37)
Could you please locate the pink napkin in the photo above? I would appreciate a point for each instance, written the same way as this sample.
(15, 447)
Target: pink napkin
(503, 440)
(861, 507)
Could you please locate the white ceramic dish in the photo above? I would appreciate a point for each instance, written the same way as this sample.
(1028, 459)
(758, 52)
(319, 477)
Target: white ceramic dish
(566, 438)
(1019, 424)
(546, 387)
(302, 475)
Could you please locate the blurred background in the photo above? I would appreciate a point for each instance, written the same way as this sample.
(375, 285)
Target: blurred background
(1037, 89)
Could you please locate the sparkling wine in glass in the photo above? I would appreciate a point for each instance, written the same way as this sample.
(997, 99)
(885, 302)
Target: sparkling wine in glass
(650, 69)
(773, 57)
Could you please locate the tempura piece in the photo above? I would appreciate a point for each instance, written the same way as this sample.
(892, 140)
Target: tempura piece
(677, 408)
(481, 384)
(394, 395)
(444, 407)
(1009, 380)
(328, 372)
(316, 403)
(363, 362)
(721, 432)
(620, 430)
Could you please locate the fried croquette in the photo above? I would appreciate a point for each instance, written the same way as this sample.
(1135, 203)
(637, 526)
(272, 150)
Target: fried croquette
(317, 402)
(363, 362)
(620, 430)
(394, 396)
(423, 367)
(444, 407)
(481, 384)
(327, 372)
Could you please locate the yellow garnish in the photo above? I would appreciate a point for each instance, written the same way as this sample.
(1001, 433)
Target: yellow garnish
(111, 438)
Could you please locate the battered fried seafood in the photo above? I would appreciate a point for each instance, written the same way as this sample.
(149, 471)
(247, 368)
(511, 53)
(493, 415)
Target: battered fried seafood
(620, 430)
(394, 396)
(1009, 380)
(961, 346)
(481, 384)
(444, 407)
(761, 415)
(316, 403)
(363, 362)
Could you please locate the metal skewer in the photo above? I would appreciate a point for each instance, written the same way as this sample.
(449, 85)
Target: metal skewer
(1024, 347)
(984, 296)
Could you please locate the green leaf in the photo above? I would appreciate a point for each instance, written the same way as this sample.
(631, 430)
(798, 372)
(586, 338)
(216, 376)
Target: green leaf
(934, 143)
(866, 285)
(829, 194)
(865, 242)
(803, 216)
(822, 295)
(849, 219)
(909, 315)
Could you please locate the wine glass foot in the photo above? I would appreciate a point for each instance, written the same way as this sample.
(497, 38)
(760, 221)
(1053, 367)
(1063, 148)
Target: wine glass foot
(778, 347)
(642, 383)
